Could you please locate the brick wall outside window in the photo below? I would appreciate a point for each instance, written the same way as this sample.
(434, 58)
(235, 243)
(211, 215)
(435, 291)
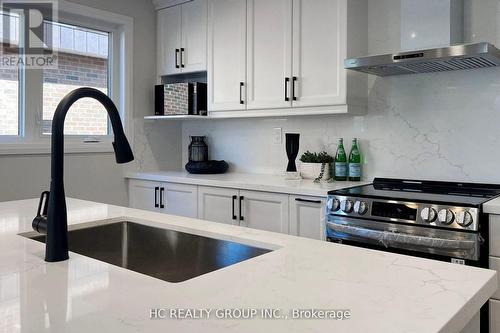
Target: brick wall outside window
(86, 116)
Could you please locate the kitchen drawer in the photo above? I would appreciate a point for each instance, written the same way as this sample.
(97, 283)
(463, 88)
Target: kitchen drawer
(495, 235)
(494, 316)
(495, 265)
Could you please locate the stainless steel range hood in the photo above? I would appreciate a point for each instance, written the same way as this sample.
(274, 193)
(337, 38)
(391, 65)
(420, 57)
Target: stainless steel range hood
(458, 57)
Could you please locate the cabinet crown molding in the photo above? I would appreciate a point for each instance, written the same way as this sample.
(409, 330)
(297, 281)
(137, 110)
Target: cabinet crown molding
(160, 4)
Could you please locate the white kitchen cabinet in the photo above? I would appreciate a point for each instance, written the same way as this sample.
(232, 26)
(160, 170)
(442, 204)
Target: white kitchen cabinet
(495, 235)
(295, 52)
(269, 54)
(253, 209)
(494, 316)
(144, 195)
(325, 33)
(227, 55)
(168, 198)
(306, 217)
(194, 36)
(218, 204)
(264, 211)
(319, 52)
(182, 38)
(169, 40)
(179, 199)
(495, 265)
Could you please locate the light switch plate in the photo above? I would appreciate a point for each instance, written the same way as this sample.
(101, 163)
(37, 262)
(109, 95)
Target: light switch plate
(277, 136)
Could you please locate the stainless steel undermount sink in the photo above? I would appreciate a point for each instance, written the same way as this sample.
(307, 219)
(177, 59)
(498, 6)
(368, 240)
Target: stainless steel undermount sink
(168, 255)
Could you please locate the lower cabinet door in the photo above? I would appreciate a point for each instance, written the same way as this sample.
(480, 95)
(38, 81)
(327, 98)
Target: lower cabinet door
(218, 204)
(494, 316)
(495, 265)
(144, 194)
(179, 199)
(306, 217)
(264, 210)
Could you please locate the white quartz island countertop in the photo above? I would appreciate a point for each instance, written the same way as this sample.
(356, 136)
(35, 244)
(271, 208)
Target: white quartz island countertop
(384, 292)
(256, 182)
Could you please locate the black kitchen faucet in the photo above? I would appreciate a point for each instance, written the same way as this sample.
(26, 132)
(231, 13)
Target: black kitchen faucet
(52, 221)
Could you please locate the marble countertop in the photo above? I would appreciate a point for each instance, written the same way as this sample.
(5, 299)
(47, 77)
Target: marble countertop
(256, 182)
(385, 292)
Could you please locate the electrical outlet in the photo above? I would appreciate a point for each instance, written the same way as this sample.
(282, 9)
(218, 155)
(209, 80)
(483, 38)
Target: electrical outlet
(277, 136)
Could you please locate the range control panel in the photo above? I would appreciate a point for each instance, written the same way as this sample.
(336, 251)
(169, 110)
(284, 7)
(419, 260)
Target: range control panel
(427, 214)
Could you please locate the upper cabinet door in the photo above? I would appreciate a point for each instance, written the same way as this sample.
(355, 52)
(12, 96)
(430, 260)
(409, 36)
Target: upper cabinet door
(227, 55)
(194, 36)
(319, 50)
(269, 54)
(169, 40)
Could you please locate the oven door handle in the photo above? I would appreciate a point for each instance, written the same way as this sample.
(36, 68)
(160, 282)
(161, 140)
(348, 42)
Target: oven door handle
(387, 238)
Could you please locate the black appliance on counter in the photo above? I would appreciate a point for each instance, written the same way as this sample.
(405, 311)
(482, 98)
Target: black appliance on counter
(181, 99)
(429, 219)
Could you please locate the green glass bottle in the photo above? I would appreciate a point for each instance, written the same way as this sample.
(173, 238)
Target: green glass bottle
(354, 162)
(341, 162)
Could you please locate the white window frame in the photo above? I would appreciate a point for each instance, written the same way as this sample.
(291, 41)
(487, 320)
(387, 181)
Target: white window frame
(30, 139)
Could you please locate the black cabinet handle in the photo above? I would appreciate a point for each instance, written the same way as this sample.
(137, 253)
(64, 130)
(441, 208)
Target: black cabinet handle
(234, 199)
(156, 197)
(294, 79)
(242, 84)
(287, 81)
(241, 205)
(182, 57)
(176, 58)
(162, 205)
(310, 201)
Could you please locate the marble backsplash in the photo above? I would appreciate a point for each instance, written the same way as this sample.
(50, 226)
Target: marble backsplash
(435, 126)
(443, 126)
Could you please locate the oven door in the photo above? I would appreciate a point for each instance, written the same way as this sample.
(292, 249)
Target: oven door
(406, 239)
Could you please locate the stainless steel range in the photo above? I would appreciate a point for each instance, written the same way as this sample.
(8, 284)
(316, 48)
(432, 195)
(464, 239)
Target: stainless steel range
(437, 220)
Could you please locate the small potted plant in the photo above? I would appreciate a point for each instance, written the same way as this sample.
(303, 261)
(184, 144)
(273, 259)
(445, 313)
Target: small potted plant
(315, 165)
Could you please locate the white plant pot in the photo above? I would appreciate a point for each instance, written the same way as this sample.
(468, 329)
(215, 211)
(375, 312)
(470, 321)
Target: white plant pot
(312, 171)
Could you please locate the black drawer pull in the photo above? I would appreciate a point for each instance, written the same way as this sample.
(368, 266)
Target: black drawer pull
(162, 204)
(242, 84)
(241, 205)
(287, 81)
(294, 80)
(156, 197)
(176, 58)
(234, 199)
(182, 57)
(310, 201)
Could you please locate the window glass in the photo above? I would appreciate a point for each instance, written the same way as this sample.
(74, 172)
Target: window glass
(80, 64)
(9, 77)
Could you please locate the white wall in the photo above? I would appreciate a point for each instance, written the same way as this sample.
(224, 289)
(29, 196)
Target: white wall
(439, 126)
(96, 176)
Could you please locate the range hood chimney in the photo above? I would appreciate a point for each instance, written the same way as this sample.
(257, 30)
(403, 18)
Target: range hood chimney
(432, 36)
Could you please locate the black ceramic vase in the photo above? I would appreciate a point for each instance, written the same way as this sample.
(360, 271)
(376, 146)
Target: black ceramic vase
(292, 149)
(198, 149)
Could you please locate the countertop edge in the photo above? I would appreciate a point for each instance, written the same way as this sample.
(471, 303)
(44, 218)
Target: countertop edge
(294, 188)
